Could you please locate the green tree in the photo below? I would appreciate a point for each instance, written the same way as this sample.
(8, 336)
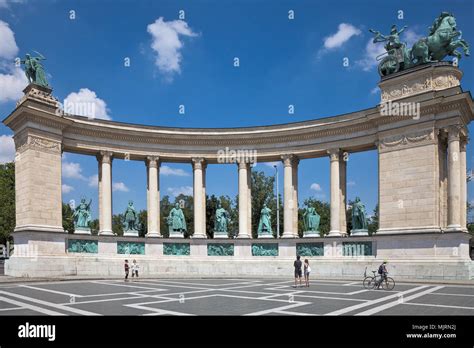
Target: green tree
(117, 224)
(324, 211)
(94, 225)
(165, 208)
(373, 225)
(7, 201)
(68, 219)
(142, 223)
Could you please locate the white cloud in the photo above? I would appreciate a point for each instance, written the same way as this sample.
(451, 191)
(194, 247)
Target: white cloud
(344, 33)
(351, 183)
(8, 47)
(86, 103)
(320, 196)
(167, 171)
(316, 187)
(185, 190)
(410, 37)
(375, 90)
(12, 85)
(272, 164)
(12, 79)
(93, 180)
(6, 3)
(372, 50)
(167, 44)
(72, 170)
(119, 186)
(7, 149)
(66, 188)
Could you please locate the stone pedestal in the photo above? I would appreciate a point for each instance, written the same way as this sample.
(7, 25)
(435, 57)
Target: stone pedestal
(176, 235)
(311, 234)
(360, 232)
(265, 235)
(131, 233)
(82, 230)
(220, 235)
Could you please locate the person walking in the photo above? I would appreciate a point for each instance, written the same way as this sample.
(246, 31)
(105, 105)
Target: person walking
(127, 268)
(307, 271)
(382, 271)
(135, 268)
(297, 264)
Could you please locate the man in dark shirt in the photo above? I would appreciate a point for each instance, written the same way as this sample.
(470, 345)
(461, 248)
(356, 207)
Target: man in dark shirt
(298, 274)
(126, 266)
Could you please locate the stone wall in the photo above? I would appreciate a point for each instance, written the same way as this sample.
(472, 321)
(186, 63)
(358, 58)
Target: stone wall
(409, 184)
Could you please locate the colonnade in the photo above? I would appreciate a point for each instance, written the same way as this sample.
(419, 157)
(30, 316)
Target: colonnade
(290, 195)
(456, 191)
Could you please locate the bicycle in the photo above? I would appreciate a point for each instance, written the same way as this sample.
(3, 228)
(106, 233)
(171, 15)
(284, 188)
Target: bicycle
(370, 282)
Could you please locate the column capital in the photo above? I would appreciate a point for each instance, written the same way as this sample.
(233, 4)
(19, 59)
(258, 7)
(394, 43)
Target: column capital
(463, 145)
(242, 164)
(334, 154)
(454, 132)
(152, 161)
(105, 156)
(198, 162)
(289, 160)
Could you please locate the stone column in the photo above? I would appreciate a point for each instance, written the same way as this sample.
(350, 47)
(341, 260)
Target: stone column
(106, 193)
(243, 200)
(198, 199)
(335, 193)
(288, 204)
(463, 171)
(204, 167)
(249, 199)
(454, 179)
(295, 196)
(153, 201)
(99, 188)
(343, 194)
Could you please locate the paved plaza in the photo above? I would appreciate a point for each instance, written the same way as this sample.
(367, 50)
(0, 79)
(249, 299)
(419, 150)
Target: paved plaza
(231, 297)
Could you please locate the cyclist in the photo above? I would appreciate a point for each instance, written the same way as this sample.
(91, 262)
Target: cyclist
(383, 273)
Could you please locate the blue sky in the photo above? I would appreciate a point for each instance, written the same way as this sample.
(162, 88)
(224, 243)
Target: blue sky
(282, 62)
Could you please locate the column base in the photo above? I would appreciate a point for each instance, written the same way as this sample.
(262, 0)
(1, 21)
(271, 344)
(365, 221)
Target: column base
(243, 236)
(153, 235)
(39, 228)
(288, 235)
(334, 233)
(106, 233)
(453, 228)
(311, 234)
(198, 236)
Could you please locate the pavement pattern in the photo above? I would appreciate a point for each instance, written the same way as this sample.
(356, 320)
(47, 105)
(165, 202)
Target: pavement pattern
(231, 297)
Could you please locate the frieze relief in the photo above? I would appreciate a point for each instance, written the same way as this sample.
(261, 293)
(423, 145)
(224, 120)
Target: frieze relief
(38, 143)
(420, 85)
(402, 140)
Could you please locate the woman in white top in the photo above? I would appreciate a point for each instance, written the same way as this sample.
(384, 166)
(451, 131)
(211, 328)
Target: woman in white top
(307, 271)
(135, 268)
